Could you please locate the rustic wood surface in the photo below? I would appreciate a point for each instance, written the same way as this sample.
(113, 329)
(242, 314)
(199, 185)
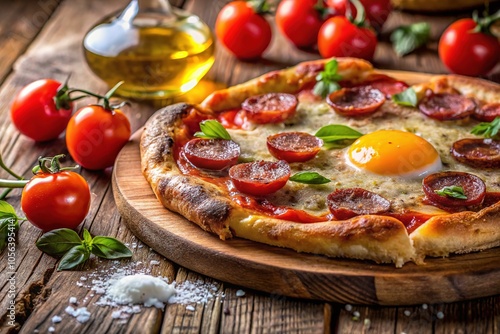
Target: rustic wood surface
(42, 38)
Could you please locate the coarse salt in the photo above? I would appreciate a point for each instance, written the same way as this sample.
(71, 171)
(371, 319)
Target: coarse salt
(56, 319)
(240, 293)
(81, 314)
(73, 300)
(51, 329)
(141, 289)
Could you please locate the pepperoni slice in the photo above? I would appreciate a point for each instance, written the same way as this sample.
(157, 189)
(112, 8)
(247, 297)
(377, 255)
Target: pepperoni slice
(446, 107)
(476, 152)
(214, 154)
(351, 202)
(389, 86)
(294, 146)
(260, 178)
(356, 101)
(488, 112)
(473, 188)
(270, 107)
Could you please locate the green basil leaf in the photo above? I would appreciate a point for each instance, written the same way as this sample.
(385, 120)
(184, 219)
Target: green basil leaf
(452, 191)
(212, 129)
(6, 208)
(406, 39)
(336, 132)
(407, 98)
(309, 178)
(59, 241)
(327, 80)
(87, 238)
(487, 130)
(109, 248)
(75, 256)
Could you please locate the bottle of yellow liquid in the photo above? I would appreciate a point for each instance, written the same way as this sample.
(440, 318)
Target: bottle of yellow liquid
(158, 51)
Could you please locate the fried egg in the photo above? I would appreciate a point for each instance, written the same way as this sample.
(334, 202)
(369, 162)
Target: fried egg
(394, 153)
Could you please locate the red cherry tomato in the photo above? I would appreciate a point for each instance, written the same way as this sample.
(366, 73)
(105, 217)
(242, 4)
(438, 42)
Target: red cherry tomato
(294, 146)
(260, 178)
(242, 30)
(95, 136)
(214, 154)
(270, 107)
(34, 112)
(59, 200)
(466, 52)
(377, 11)
(299, 21)
(338, 37)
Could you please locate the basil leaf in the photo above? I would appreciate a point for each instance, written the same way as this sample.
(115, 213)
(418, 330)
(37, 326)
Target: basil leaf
(59, 241)
(212, 129)
(452, 191)
(87, 238)
(6, 208)
(406, 39)
(336, 132)
(407, 98)
(309, 178)
(75, 256)
(109, 248)
(487, 130)
(327, 79)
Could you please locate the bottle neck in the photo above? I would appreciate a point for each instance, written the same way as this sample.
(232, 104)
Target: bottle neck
(159, 6)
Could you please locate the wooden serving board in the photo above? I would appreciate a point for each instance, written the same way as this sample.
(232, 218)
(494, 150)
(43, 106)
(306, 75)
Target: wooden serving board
(285, 272)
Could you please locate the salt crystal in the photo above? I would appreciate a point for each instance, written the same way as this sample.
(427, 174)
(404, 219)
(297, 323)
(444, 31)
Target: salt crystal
(190, 308)
(240, 293)
(51, 329)
(83, 278)
(154, 262)
(116, 314)
(81, 314)
(73, 300)
(56, 319)
(140, 288)
(407, 313)
(348, 307)
(440, 315)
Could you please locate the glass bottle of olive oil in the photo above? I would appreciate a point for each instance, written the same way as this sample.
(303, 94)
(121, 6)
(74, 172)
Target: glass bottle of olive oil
(158, 51)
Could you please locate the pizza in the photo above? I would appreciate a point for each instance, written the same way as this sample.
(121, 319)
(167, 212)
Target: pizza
(336, 158)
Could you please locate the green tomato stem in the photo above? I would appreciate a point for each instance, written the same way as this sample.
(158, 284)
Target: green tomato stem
(12, 183)
(8, 170)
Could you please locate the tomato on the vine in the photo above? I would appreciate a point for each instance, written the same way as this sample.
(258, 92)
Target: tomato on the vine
(338, 37)
(41, 110)
(55, 198)
(299, 21)
(96, 134)
(467, 48)
(241, 28)
(377, 11)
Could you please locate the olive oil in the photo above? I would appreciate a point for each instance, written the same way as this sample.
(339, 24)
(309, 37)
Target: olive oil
(157, 56)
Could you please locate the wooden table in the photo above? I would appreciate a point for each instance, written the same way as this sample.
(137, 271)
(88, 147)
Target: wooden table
(42, 38)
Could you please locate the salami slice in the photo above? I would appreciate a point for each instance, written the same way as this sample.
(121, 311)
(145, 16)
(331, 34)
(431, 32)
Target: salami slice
(356, 101)
(351, 202)
(446, 106)
(294, 146)
(476, 152)
(488, 112)
(389, 86)
(270, 107)
(260, 178)
(214, 154)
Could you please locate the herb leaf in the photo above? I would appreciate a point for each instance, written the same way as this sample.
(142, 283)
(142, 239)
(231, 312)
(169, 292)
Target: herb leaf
(487, 130)
(6, 209)
(337, 132)
(327, 79)
(212, 129)
(109, 248)
(75, 256)
(309, 178)
(452, 191)
(407, 98)
(59, 241)
(406, 39)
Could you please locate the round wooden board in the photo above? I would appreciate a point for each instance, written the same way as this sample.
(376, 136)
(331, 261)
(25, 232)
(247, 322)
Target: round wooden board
(285, 272)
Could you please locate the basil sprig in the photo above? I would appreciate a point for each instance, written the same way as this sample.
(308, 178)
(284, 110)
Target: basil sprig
(406, 39)
(337, 134)
(327, 79)
(452, 191)
(74, 251)
(212, 129)
(309, 178)
(487, 130)
(9, 224)
(407, 98)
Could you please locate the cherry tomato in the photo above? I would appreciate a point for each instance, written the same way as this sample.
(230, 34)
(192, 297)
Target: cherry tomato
(34, 112)
(338, 37)
(294, 146)
(260, 178)
(270, 107)
(214, 154)
(377, 11)
(466, 52)
(58, 200)
(299, 21)
(95, 136)
(242, 30)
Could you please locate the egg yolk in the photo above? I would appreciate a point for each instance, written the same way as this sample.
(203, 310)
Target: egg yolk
(394, 153)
